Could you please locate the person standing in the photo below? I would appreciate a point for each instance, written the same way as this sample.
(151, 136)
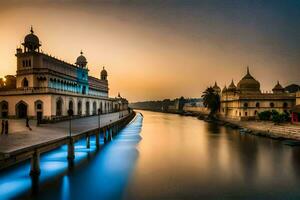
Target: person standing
(3, 126)
(6, 127)
(27, 122)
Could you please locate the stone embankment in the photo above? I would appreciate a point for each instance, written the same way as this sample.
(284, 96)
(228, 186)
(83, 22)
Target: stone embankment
(266, 129)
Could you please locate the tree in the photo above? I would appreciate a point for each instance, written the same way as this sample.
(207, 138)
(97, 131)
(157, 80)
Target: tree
(2, 83)
(211, 100)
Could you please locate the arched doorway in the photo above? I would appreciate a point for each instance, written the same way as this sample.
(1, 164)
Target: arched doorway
(59, 107)
(39, 111)
(21, 109)
(87, 108)
(71, 107)
(4, 109)
(79, 108)
(94, 108)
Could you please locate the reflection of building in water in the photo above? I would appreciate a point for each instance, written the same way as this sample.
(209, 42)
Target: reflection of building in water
(245, 101)
(46, 87)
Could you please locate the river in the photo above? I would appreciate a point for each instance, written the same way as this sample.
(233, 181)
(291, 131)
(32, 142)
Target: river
(164, 156)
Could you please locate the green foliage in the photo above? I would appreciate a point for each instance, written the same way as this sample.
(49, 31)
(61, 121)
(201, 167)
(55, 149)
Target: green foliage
(211, 100)
(274, 116)
(265, 115)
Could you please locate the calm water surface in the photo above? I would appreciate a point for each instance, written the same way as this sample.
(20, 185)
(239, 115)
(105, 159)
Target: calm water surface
(165, 156)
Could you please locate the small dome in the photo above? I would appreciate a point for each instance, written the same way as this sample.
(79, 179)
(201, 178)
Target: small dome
(248, 84)
(231, 87)
(216, 88)
(103, 72)
(31, 41)
(278, 88)
(81, 60)
(224, 89)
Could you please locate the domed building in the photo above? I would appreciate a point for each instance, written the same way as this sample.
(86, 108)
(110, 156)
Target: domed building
(245, 101)
(47, 87)
(248, 84)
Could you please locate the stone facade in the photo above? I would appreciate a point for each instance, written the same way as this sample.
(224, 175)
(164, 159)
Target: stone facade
(46, 87)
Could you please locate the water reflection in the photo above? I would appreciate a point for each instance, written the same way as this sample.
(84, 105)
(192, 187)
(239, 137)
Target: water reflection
(178, 158)
(184, 158)
(92, 174)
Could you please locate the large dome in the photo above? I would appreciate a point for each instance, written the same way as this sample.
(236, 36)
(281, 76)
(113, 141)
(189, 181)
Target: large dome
(81, 60)
(248, 84)
(31, 41)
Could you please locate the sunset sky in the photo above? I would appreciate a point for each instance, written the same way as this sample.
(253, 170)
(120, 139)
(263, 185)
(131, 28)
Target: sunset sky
(162, 48)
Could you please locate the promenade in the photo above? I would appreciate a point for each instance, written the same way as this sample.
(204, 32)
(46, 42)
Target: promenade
(21, 137)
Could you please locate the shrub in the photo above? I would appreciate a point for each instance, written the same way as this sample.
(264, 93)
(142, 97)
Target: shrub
(265, 115)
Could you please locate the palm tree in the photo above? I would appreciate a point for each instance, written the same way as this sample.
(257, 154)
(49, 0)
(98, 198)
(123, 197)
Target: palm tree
(211, 100)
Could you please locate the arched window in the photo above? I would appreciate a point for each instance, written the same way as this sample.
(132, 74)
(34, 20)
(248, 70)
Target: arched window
(255, 112)
(4, 109)
(29, 63)
(21, 109)
(257, 105)
(285, 105)
(25, 82)
(59, 107)
(272, 105)
(245, 105)
(39, 106)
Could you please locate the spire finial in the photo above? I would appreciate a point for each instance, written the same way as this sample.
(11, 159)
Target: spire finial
(31, 29)
(81, 52)
(248, 70)
(103, 68)
(215, 83)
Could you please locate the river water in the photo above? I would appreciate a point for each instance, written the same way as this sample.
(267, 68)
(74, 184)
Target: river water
(164, 156)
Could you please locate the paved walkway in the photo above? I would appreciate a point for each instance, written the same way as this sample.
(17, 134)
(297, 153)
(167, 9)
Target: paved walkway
(20, 136)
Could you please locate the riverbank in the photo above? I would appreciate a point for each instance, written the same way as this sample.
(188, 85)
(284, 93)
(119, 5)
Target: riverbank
(258, 128)
(265, 129)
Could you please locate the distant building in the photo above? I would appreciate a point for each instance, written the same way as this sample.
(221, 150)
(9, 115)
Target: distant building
(245, 101)
(296, 109)
(46, 87)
